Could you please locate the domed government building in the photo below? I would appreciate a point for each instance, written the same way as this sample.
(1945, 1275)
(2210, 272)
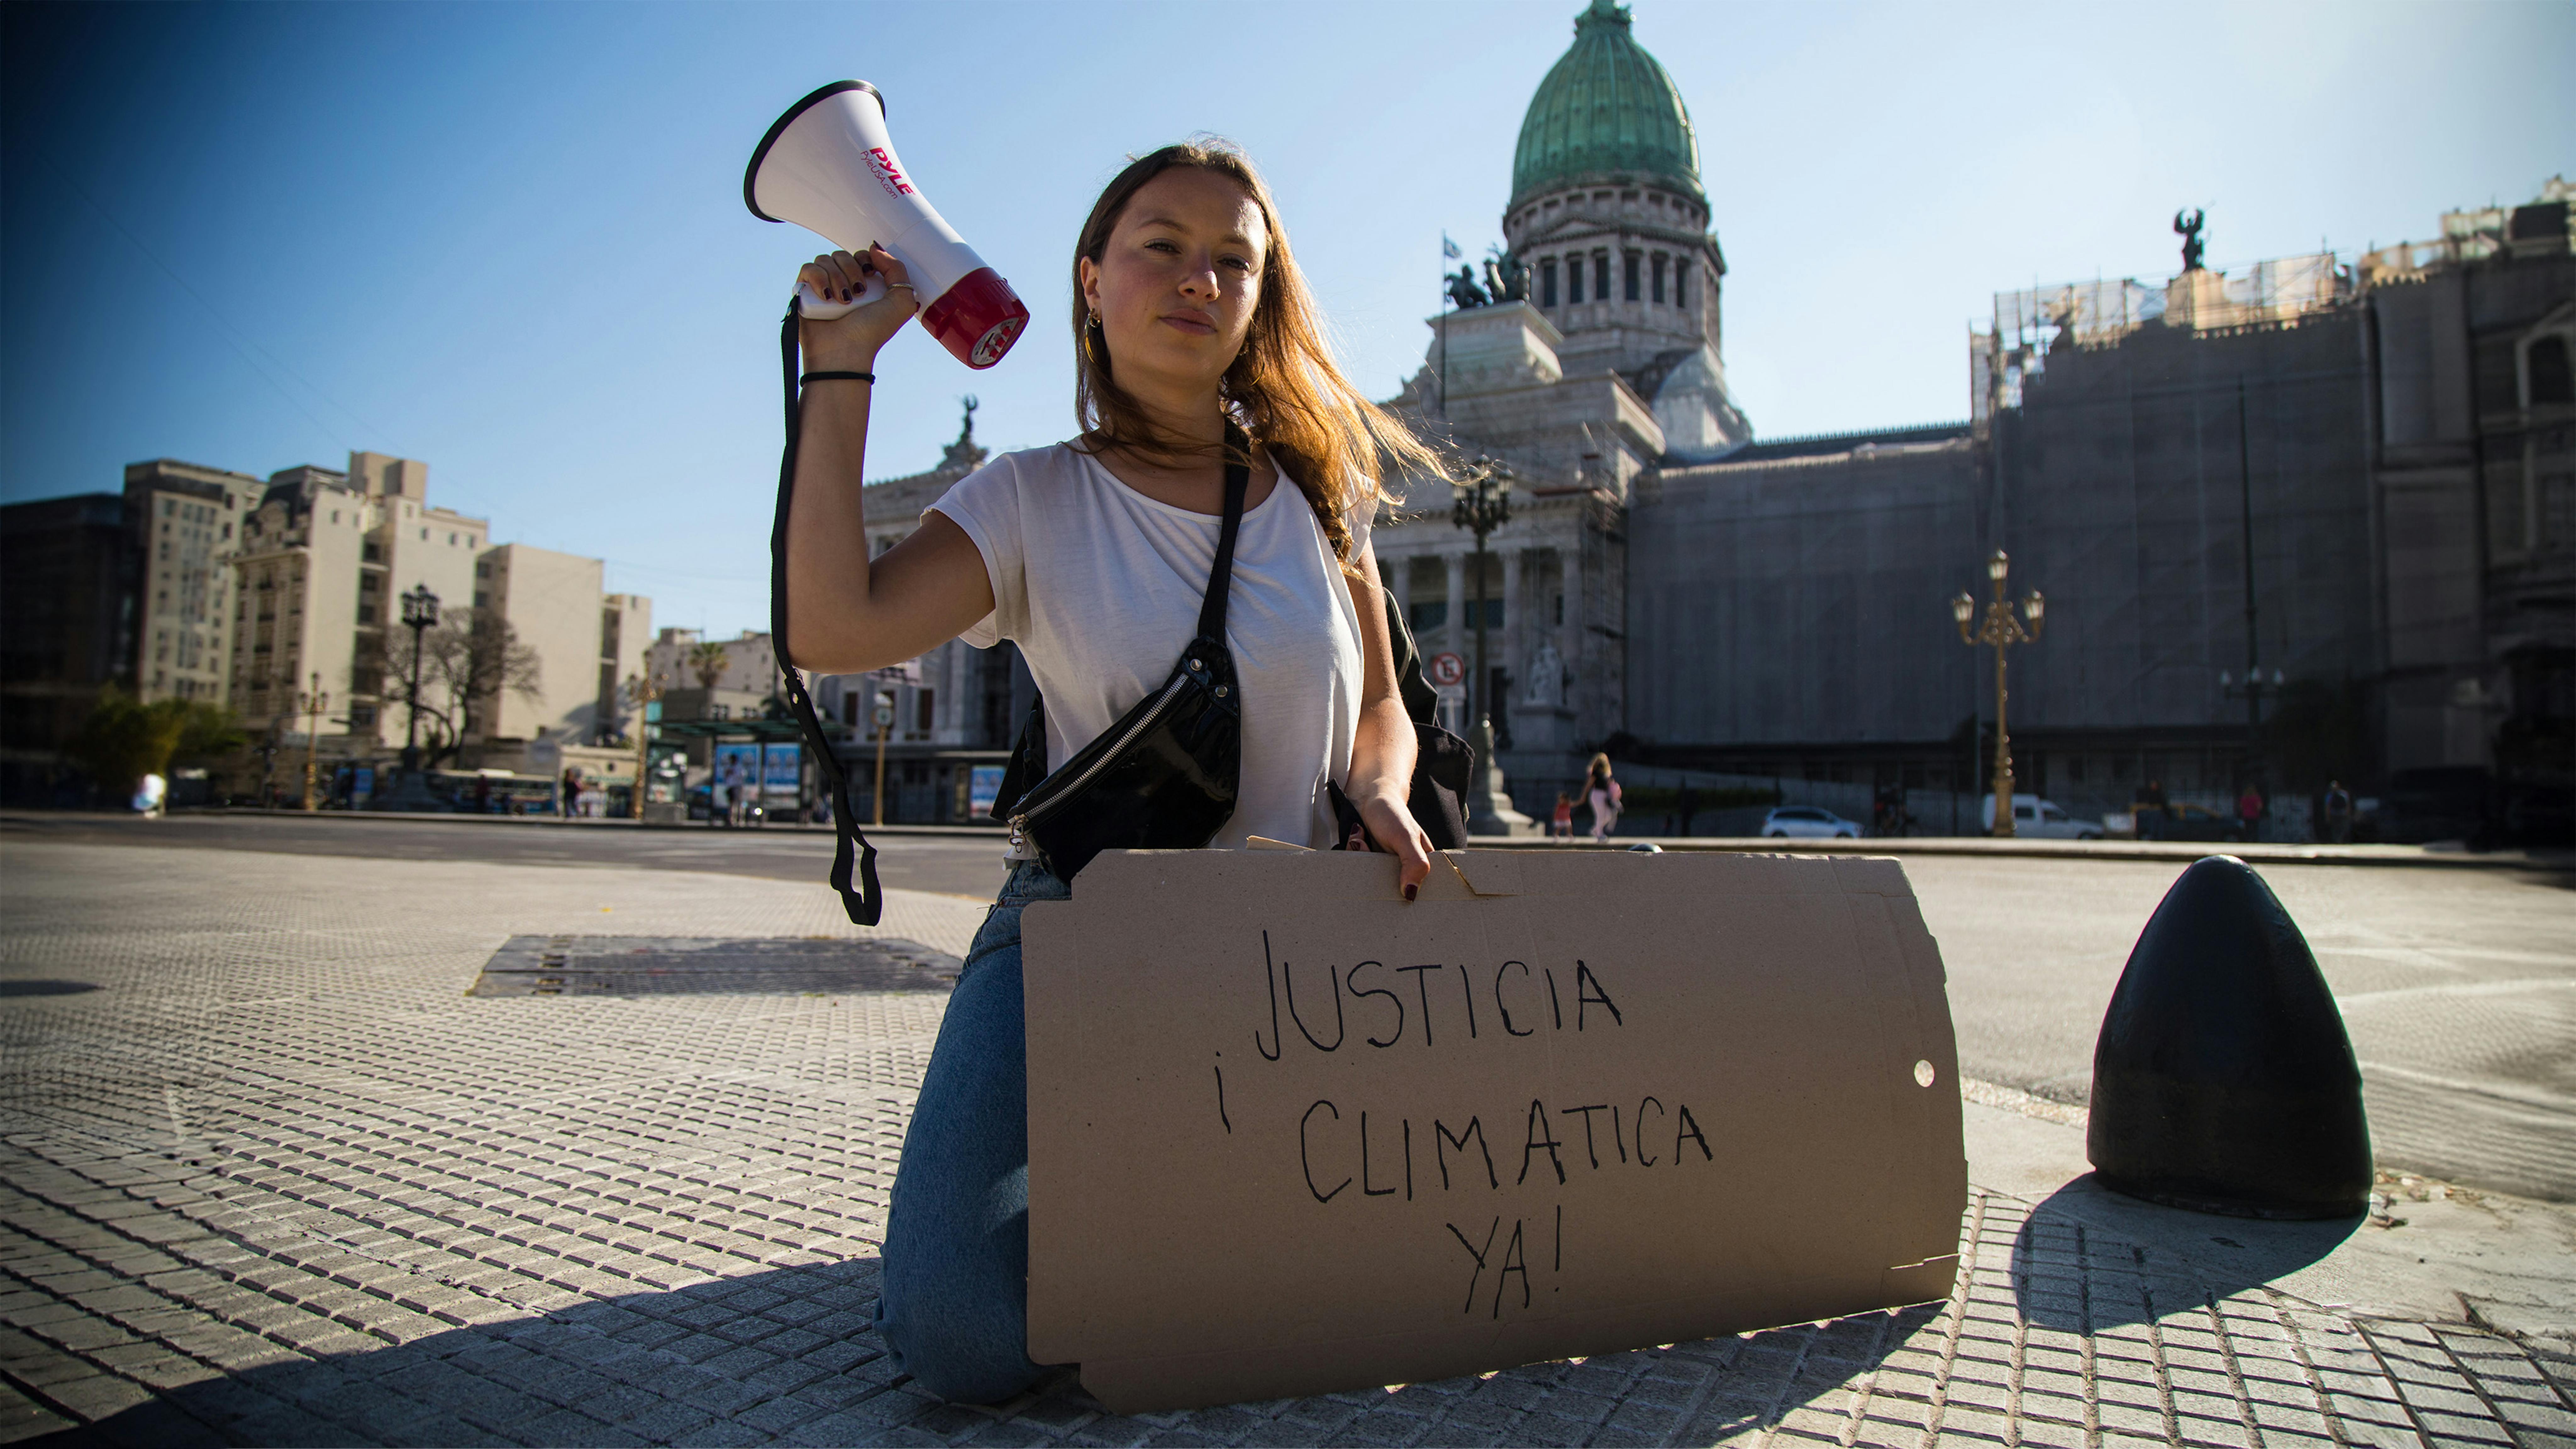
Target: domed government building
(2278, 469)
(2274, 471)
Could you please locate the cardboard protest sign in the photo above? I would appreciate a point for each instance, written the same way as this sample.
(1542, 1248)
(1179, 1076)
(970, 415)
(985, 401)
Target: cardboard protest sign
(1289, 1133)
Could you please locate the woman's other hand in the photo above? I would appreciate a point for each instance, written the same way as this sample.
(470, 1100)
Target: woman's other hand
(850, 343)
(1392, 830)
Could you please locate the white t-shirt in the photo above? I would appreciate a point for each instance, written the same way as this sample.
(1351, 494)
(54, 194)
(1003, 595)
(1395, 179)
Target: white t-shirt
(1100, 587)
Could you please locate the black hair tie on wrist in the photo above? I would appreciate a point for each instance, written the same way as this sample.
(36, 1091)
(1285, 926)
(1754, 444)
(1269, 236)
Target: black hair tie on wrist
(835, 377)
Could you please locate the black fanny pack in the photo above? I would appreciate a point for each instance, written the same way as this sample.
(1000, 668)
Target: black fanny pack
(1165, 776)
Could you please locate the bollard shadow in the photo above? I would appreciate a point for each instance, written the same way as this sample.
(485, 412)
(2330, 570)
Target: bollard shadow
(792, 1350)
(2089, 1258)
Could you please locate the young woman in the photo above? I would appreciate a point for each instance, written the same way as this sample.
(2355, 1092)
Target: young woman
(1092, 556)
(1603, 792)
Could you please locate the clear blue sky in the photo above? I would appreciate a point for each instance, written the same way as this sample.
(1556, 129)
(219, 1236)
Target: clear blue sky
(509, 239)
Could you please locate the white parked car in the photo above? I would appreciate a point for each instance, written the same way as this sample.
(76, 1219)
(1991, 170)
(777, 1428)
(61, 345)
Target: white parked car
(1807, 822)
(2037, 819)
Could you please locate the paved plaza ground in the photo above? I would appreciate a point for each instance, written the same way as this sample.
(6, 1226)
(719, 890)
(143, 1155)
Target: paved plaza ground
(269, 1175)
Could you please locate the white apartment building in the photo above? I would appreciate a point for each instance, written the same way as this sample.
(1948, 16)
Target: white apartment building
(186, 521)
(323, 563)
(750, 664)
(625, 640)
(584, 640)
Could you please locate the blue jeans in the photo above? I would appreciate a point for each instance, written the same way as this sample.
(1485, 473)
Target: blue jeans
(953, 1302)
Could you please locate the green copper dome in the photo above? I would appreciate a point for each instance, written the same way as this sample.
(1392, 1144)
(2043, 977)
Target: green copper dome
(1606, 107)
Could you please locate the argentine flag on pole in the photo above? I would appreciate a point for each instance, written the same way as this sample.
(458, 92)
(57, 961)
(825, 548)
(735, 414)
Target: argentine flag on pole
(1448, 248)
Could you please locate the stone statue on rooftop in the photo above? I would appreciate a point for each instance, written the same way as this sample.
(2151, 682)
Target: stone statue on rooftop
(965, 454)
(1464, 292)
(2187, 224)
(1506, 277)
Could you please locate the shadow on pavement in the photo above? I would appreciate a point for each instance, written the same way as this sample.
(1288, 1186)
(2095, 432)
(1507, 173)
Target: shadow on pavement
(46, 987)
(648, 1366)
(791, 1351)
(2089, 1258)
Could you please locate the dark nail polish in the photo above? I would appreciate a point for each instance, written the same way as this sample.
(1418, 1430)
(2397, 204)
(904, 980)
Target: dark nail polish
(1409, 891)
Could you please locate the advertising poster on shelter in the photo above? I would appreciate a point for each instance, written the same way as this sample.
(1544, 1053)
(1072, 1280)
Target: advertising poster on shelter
(782, 770)
(736, 764)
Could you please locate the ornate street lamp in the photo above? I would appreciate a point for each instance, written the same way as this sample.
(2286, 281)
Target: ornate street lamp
(312, 701)
(419, 613)
(2001, 630)
(1483, 503)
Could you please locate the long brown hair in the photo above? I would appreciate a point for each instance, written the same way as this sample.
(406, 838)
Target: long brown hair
(1284, 387)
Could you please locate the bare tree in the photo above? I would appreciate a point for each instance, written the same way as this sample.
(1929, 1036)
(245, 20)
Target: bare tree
(466, 664)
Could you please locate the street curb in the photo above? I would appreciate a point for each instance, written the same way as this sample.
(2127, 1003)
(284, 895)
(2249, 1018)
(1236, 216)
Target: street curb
(2169, 852)
(542, 822)
(2163, 852)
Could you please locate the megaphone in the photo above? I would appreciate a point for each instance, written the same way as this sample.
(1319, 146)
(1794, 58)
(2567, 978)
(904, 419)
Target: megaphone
(828, 166)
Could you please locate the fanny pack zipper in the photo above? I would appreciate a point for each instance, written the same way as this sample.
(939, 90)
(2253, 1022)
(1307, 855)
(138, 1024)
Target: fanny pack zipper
(1021, 820)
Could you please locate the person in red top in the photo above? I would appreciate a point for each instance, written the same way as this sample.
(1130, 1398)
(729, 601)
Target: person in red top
(1564, 816)
(2249, 809)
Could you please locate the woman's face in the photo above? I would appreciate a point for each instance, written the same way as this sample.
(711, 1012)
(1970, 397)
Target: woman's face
(1176, 285)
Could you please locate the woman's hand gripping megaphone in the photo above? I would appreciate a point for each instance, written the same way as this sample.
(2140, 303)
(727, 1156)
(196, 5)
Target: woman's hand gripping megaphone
(852, 303)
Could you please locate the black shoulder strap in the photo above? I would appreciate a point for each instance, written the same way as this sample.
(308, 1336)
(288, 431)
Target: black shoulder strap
(1421, 701)
(1238, 482)
(865, 902)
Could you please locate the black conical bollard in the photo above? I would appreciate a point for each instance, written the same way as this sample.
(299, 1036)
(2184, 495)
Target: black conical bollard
(2223, 1081)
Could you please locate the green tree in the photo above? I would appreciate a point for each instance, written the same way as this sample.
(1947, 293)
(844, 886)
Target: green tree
(707, 662)
(123, 739)
(208, 734)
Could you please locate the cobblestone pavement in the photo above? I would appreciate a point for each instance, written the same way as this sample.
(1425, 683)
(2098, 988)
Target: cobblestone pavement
(268, 1176)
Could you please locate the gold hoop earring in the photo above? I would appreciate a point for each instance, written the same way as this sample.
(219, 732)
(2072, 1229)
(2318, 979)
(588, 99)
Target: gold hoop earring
(1095, 322)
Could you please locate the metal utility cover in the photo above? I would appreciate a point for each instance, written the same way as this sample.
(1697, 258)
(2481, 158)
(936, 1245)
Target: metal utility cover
(703, 965)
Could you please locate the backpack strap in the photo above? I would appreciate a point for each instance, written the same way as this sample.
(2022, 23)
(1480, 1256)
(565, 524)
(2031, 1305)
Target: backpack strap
(851, 852)
(1238, 482)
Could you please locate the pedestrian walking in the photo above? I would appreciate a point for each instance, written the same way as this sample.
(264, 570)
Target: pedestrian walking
(2147, 809)
(2249, 811)
(2338, 813)
(1603, 792)
(1561, 827)
(1225, 437)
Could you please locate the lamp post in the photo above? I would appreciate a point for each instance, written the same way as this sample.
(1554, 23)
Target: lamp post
(647, 690)
(419, 613)
(1482, 504)
(312, 702)
(2002, 630)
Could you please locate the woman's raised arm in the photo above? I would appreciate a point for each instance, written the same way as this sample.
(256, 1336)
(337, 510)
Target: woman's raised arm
(846, 611)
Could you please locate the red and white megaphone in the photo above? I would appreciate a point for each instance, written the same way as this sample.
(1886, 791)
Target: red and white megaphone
(828, 166)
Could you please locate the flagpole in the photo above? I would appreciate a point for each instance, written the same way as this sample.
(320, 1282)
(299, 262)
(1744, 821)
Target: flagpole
(1448, 253)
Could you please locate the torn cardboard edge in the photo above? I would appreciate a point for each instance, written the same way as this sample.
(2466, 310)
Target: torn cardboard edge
(1227, 1203)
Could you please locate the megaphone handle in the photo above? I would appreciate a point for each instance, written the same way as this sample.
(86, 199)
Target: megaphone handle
(811, 304)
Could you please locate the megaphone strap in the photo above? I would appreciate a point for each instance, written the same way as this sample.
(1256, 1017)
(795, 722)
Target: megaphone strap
(803, 378)
(861, 897)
